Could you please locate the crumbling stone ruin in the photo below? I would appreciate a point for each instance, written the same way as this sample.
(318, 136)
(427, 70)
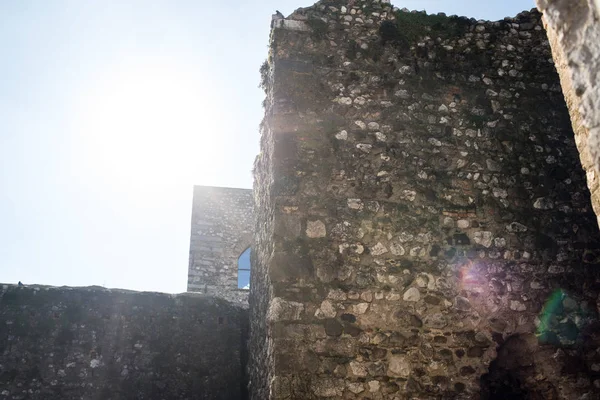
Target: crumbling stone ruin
(420, 228)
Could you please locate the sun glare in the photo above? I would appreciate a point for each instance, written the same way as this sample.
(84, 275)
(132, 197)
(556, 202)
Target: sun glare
(146, 124)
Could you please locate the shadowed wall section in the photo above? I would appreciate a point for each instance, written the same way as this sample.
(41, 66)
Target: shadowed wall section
(424, 205)
(94, 343)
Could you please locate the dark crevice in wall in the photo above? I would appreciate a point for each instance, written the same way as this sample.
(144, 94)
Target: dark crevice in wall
(512, 375)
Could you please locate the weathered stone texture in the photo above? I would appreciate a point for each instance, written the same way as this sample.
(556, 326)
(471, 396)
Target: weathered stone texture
(424, 205)
(573, 28)
(92, 343)
(259, 345)
(222, 228)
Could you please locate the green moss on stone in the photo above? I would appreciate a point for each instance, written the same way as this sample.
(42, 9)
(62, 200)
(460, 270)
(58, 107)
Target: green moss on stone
(264, 75)
(415, 25)
(318, 27)
(410, 27)
(477, 120)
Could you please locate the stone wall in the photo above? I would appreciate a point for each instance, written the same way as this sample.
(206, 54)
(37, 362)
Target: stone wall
(427, 227)
(259, 345)
(574, 33)
(222, 228)
(93, 343)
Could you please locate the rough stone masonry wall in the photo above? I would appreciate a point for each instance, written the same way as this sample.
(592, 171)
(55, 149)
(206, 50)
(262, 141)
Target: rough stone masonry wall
(428, 229)
(222, 228)
(92, 343)
(574, 32)
(260, 364)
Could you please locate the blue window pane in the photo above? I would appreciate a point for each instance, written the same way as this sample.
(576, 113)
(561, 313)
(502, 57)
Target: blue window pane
(243, 279)
(244, 270)
(244, 260)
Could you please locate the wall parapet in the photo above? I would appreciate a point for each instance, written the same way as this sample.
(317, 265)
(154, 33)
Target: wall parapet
(73, 343)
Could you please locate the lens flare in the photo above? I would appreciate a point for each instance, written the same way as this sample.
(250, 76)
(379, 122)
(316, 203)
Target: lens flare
(552, 308)
(470, 277)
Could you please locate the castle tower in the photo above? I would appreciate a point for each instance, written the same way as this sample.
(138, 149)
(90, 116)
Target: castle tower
(425, 226)
(221, 235)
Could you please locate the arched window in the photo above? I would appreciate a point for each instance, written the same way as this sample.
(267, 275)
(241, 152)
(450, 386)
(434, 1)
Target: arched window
(244, 270)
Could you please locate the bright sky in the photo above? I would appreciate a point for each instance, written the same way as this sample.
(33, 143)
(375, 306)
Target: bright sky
(110, 111)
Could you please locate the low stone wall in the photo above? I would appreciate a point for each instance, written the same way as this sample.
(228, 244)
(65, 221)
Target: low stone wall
(93, 343)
